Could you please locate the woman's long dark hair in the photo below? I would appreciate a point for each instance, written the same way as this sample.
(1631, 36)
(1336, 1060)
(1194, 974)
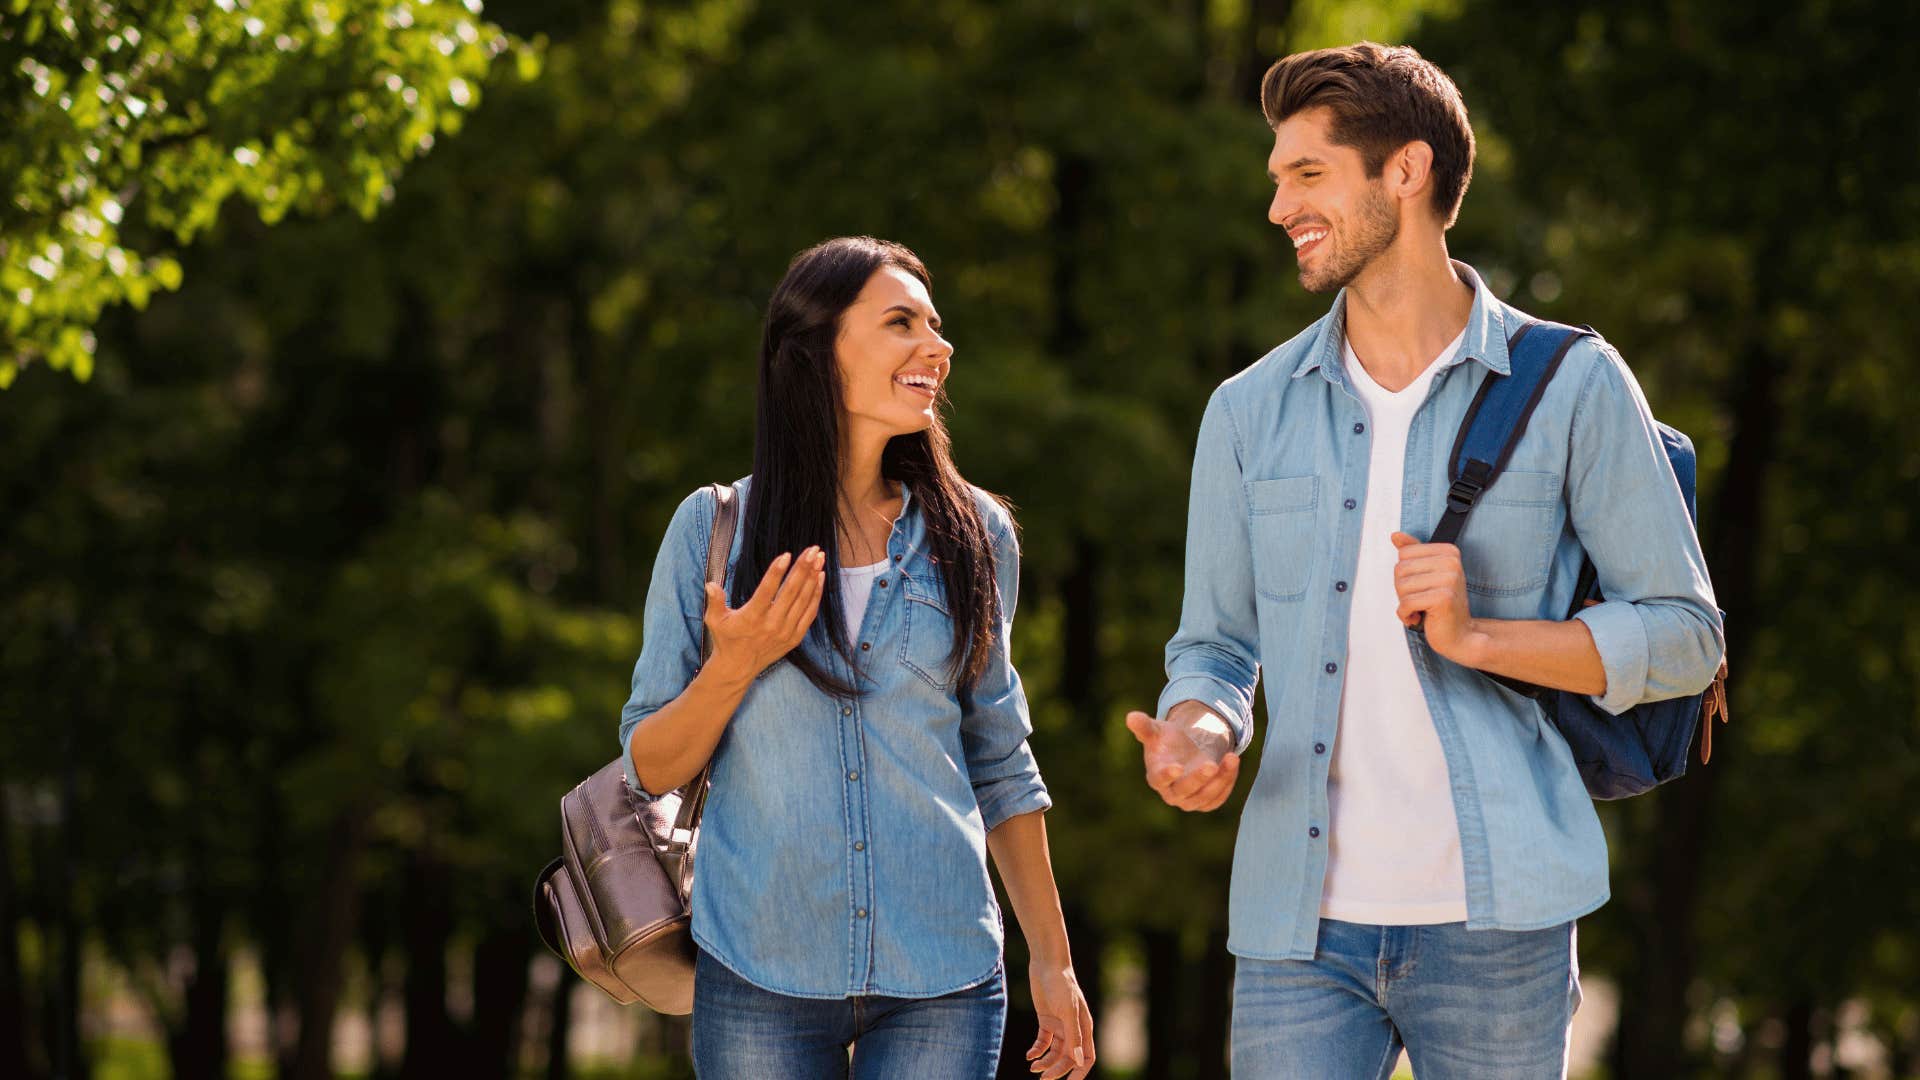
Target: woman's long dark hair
(795, 499)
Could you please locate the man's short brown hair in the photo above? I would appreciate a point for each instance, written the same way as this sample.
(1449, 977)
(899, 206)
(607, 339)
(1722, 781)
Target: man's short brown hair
(1382, 97)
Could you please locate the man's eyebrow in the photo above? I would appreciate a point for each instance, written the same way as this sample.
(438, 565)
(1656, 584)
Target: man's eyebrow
(1296, 163)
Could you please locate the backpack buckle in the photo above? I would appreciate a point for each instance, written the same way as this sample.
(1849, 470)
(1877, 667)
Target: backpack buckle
(1463, 494)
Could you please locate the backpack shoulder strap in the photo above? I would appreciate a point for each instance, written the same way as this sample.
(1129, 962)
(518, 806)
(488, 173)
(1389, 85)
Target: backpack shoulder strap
(726, 510)
(1498, 417)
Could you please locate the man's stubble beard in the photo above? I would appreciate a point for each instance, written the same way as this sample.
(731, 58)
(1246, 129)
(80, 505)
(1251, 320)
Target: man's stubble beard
(1376, 228)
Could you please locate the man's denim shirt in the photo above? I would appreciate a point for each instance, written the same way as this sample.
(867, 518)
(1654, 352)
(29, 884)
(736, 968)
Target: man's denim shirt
(843, 851)
(1273, 535)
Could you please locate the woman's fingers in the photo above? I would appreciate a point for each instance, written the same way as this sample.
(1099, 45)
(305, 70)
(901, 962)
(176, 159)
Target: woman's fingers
(797, 581)
(1085, 1064)
(1057, 1063)
(1041, 1041)
(769, 584)
(1064, 1052)
(807, 608)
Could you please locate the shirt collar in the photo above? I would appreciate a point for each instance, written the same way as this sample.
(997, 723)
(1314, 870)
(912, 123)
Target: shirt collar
(1485, 339)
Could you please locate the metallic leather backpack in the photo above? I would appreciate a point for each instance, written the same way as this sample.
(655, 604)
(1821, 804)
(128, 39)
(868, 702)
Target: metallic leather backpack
(614, 905)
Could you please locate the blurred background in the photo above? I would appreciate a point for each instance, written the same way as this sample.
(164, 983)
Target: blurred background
(358, 352)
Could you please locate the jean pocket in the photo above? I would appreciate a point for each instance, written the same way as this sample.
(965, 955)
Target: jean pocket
(926, 645)
(1506, 548)
(1280, 520)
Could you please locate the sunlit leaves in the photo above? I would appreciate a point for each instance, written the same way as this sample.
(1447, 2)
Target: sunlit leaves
(128, 130)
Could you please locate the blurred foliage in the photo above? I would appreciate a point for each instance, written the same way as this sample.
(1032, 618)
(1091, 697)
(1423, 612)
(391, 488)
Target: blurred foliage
(116, 110)
(330, 574)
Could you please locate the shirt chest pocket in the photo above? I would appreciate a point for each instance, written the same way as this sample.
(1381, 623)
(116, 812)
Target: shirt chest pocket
(926, 644)
(1507, 545)
(1280, 521)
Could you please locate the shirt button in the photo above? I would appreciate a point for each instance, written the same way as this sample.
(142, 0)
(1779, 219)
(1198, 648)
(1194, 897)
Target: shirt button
(1314, 832)
(865, 645)
(1339, 586)
(1319, 748)
(1358, 428)
(896, 558)
(853, 774)
(882, 583)
(848, 711)
(859, 845)
(1350, 504)
(1332, 667)
(860, 913)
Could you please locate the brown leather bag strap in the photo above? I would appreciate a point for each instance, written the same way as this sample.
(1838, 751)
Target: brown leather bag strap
(719, 545)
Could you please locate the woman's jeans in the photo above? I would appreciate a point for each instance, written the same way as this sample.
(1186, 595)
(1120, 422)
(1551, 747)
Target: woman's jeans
(1479, 1004)
(741, 1032)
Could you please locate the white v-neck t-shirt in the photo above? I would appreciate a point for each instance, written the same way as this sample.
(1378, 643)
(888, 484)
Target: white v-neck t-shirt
(856, 584)
(1394, 843)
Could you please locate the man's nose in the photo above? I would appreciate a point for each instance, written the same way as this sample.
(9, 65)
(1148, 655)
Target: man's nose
(1283, 207)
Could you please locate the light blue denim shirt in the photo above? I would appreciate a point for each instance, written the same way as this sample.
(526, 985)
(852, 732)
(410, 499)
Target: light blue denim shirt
(1273, 536)
(843, 851)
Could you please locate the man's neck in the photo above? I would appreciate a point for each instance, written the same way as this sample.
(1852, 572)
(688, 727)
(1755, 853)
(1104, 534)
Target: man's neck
(1406, 307)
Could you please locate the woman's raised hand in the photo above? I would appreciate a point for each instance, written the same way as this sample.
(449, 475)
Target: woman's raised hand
(774, 619)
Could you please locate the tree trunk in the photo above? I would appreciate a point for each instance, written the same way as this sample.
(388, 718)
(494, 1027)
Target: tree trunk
(13, 997)
(426, 912)
(1796, 1053)
(272, 930)
(499, 999)
(199, 1047)
(323, 948)
(1263, 16)
(69, 1058)
(559, 1035)
(1213, 1027)
(1163, 997)
(1654, 1009)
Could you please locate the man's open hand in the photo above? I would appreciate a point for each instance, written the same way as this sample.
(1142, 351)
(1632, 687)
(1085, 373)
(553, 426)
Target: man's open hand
(1189, 756)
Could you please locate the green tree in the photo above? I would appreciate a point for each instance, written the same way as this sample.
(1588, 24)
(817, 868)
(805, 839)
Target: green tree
(126, 117)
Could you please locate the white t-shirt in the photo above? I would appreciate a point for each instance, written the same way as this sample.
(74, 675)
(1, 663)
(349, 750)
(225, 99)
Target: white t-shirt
(856, 584)
(1394, 843)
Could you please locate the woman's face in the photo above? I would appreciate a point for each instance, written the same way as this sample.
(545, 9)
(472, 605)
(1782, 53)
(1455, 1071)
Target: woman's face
(893, 361)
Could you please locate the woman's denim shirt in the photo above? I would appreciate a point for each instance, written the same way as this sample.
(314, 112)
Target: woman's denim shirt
(1273, 535)
(843, 851)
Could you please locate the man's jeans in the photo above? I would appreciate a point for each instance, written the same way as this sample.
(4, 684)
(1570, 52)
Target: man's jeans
(742, 1032)
(1484, 1004)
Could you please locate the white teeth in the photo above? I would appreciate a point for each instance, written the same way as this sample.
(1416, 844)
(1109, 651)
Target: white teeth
(925, 382)
(1306, 238)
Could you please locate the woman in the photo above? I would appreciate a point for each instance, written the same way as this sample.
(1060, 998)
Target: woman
(867, 730)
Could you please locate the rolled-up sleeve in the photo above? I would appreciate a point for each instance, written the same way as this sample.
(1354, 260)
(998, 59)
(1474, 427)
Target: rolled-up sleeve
(1658, 630)
(994, 722)
(671, 623)
(1212, 658)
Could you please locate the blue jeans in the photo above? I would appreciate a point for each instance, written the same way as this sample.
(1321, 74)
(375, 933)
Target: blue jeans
(742, 1032)
(1485, 1004)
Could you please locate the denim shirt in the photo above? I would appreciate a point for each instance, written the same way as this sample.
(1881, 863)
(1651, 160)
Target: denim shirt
(843, 851)
(1273, 536)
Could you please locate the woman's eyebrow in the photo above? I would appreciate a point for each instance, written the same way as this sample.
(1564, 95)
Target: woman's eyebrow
(910, 310)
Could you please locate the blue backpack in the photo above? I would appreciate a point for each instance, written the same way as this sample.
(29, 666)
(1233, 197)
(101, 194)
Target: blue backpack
(1647, 745)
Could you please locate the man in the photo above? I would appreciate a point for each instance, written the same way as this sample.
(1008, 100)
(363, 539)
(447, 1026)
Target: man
(1418, 842)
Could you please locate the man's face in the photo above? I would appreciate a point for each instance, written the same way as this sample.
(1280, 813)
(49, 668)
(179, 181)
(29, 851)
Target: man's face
(1338, 219)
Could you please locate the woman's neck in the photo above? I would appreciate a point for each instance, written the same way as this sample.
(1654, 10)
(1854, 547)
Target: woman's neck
(860, 481)
(868, 502)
